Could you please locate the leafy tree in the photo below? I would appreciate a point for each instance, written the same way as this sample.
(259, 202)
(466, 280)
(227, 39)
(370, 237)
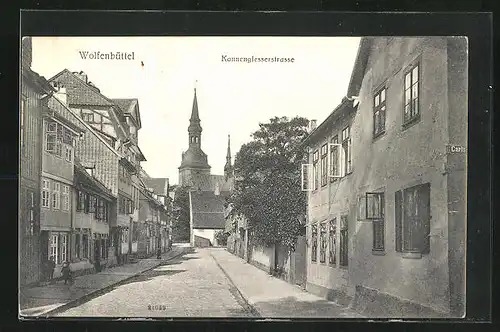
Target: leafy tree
(180, 227)
(221, 237)
(268, 181)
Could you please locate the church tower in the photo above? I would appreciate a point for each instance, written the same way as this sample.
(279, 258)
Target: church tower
(228, 168)
(194, 160)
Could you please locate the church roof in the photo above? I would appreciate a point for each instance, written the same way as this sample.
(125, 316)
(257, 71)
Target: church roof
(208, 182)
(208, 209)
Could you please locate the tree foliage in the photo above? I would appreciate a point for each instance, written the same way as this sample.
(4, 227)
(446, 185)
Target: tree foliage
(180, 227)
(221, 237)
(268, 181)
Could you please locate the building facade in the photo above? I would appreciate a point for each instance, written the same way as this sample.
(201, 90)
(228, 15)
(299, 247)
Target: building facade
(60, 136)
(386, 225)
(117, 122)
(33, 100)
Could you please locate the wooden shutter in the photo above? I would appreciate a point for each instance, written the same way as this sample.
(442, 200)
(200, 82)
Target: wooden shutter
(399, 220)
(424, 216)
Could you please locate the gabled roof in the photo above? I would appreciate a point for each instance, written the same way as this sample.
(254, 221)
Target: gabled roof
(130, 107)
(159, 185)
(208, 209)
(82, 177)
(79, 91)
(359, 68)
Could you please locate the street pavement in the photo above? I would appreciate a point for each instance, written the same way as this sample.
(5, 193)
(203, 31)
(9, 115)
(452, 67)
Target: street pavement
(208, 282)
(275, 298)
(189, 286)
(43, 300)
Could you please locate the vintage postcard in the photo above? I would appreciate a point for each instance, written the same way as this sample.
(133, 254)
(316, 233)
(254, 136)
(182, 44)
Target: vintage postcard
(258, 177)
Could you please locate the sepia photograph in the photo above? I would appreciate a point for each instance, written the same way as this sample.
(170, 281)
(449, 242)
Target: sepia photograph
(243, 177)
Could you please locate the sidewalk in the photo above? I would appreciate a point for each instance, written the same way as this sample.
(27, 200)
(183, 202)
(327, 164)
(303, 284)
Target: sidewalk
(275, 298)
(38, 301)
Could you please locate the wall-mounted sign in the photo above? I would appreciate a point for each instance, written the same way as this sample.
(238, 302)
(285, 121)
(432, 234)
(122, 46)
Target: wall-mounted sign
(452, 148)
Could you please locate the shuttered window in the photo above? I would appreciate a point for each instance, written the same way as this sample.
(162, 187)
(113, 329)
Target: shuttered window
(413, 219)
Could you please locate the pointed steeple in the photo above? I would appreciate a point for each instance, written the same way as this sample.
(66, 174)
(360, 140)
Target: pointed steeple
(228, 166)
(194, 129)
(195, 117)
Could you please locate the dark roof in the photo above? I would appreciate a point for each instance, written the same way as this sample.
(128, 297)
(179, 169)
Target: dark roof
(159, 185)
(80, 92)
(208, 182)
(128, 107)
(359, 68)
(208, 209)
(81, 176)
(38, 81)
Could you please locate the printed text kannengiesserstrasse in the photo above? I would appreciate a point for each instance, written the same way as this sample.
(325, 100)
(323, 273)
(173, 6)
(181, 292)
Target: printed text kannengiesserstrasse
(252, 59)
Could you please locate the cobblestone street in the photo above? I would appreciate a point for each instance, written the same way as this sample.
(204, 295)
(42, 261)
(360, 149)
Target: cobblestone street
(189, 286)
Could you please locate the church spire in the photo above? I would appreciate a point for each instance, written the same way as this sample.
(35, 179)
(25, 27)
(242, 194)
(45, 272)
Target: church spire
(228, 166)
(195, 117)
(194, 128)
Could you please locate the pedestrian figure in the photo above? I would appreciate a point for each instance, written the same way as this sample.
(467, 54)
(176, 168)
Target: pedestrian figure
(66, 272)
(158, 253)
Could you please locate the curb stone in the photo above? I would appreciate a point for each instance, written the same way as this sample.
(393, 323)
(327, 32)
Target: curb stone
(99, 291)
(249, 303)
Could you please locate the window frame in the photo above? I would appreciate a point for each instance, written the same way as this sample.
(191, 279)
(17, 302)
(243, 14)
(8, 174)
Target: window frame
(332, 229)
(64, 247)
(54, 247)
(347, 149)
(413, 118)
(65, 197)
(56, 196)
(407, 224)
(380, 107)
(334, 161)
(45, 196)
(315, 170)
(323, 242)
(378, 220)
(314, 243)
(344, 241)
(324, 164)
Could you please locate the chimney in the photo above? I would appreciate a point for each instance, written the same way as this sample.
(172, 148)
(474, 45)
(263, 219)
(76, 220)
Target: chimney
(81, 75)
(312, 125)
(62, 95)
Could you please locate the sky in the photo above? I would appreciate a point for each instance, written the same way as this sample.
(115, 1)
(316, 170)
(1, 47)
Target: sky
(233, 98)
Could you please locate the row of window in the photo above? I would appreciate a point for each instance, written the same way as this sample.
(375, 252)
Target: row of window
(125, 205)
(412, 226)
(411, 101)
(55, 195)
(59, 140)
(328, 241)
(88, 203)
(59, 247)
(331, 160)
